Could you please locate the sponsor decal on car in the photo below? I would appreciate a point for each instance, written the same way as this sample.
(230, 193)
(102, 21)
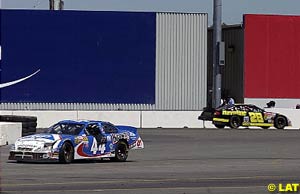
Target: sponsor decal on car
(234, 112)
(221, 120)
(80, 139)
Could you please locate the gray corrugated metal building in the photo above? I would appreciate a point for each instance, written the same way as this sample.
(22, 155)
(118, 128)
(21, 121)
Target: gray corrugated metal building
(181, 61)
(181, 69)
(233, 71)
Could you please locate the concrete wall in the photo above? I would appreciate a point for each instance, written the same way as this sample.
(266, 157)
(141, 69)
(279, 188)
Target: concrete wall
(171, 119)
(9, 132)
(140, 119)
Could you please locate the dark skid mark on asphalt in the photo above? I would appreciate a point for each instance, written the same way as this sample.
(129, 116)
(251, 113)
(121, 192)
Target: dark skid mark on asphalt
(140, 184)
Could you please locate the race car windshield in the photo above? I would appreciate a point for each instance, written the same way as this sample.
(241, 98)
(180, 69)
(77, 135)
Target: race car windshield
(66, 128)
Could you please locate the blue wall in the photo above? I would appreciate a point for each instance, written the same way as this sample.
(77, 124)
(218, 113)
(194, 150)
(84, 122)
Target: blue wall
(102, 57)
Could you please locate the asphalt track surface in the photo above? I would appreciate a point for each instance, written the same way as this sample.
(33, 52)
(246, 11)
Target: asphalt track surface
(174, 161)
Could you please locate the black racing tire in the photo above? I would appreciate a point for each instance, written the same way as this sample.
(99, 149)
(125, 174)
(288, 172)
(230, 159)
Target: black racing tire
(235, 122)
(27, 133)
(17, 118)
(29, 129)
(29, 124)
(121, 152)
(66, 153)
(280, 122)
(219, 126)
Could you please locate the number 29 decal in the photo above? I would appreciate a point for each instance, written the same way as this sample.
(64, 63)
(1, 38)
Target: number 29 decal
(256, 117)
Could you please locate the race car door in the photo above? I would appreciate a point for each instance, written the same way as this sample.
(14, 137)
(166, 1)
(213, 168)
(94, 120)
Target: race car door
(97, 142)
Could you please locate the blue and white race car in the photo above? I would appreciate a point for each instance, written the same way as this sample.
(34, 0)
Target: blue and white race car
(72, 140)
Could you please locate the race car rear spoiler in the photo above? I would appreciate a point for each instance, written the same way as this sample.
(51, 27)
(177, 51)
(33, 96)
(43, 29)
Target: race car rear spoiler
(207, 114)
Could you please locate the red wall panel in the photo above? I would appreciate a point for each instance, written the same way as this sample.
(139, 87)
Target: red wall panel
(271, 56)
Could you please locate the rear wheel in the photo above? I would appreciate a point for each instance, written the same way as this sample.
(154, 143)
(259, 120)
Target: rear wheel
(280, 122)
(66, 153)
(121, 152)
(234, 122)
(219, 126)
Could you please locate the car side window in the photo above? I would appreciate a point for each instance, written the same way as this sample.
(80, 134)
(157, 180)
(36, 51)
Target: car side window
(109, 128)
(256, 109)
(92, 129)
(245, 108)
(234, 108)
(238, 108)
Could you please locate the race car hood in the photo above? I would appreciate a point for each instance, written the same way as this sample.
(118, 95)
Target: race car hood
(36, 142)
(48, 138)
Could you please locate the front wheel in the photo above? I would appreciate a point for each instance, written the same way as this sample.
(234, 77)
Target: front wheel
(280, 122)
(66, 153)
(234, 122)
(121, 152)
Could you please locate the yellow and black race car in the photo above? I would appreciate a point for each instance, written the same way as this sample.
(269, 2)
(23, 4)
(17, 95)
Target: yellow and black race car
(247, 115)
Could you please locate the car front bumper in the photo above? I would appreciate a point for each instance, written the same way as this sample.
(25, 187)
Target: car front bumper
(32, 156)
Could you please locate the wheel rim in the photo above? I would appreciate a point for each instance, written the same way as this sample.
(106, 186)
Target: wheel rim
(68, 153)
(235, 122)
(280, 122)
